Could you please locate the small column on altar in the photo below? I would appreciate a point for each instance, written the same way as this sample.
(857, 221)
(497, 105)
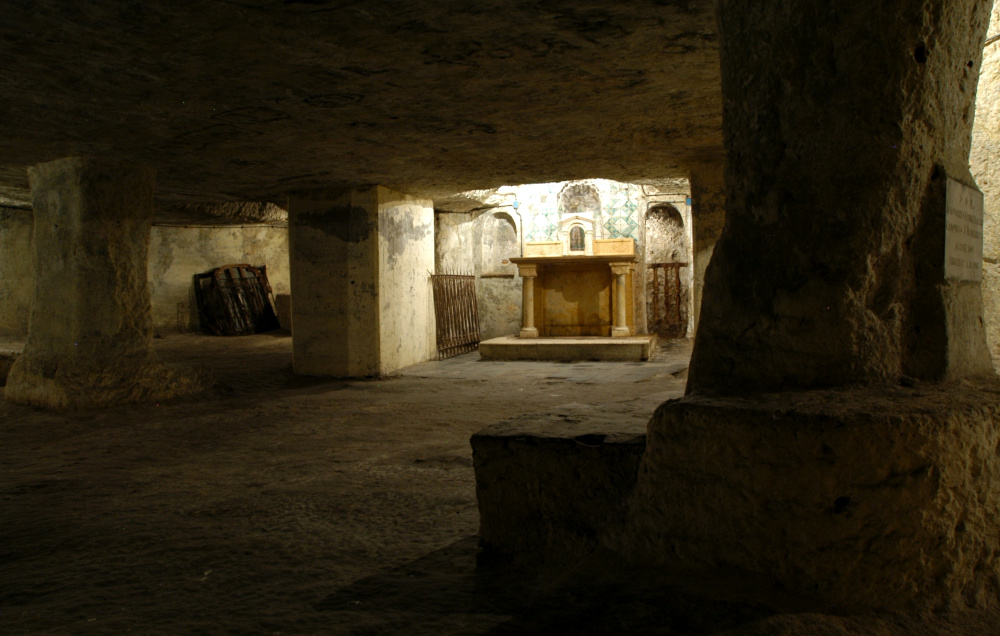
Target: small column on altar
(620, 271)
(528, 274)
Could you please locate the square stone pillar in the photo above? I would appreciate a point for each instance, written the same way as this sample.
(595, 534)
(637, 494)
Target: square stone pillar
(830, 268)
(839, 432)
(360, 274)
(708, 217)
(89, 335)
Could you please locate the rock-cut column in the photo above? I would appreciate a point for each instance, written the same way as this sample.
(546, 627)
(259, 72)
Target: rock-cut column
(528, 274)
(830, 269)
(90, 328)
(708, 216)
(986, 170)
(361, 298)
(619, 327)
(839, 433)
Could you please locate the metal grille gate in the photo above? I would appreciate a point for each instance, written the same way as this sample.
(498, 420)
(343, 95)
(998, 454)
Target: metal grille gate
(668, 316)
(456, 313)
(235, 300)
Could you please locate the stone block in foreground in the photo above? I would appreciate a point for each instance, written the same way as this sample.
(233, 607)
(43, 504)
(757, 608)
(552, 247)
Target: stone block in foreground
(549, 485)
(869, 498)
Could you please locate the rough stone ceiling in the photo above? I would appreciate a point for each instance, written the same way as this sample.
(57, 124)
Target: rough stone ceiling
(251, 99)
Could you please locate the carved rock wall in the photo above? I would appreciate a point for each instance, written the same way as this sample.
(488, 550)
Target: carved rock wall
(985, 161)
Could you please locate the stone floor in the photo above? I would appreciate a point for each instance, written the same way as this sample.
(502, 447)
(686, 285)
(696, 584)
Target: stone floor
(277, 504)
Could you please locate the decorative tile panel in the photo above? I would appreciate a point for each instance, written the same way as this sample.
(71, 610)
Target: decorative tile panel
(620, 209)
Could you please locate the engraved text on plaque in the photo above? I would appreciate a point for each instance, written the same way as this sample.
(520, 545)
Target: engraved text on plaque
(963, 237)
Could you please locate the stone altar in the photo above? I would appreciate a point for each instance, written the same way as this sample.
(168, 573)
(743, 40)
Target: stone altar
(573, 293)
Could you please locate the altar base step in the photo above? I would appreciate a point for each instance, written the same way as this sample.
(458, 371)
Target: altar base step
(569, 349)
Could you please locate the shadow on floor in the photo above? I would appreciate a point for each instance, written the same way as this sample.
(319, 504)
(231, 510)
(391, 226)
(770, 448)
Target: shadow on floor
(444, 592)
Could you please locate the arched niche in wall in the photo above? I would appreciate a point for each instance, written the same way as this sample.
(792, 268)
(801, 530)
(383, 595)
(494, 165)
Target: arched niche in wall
(665, 237)
(668, 260)
(581, 200)
(499, 244)
(577, 235)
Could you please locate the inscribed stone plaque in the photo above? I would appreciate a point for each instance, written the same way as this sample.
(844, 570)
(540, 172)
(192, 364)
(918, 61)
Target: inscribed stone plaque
(963, 237)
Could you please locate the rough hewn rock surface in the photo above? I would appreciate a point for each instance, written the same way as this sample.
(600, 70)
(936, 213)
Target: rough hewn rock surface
(221, 213)
(708, 196)
(986, 170)
(89, 342)
(867, 498)
(549, 484)
(830, 267)
(252, 99)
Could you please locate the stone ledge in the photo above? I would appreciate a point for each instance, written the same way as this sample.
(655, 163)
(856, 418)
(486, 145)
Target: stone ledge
(870, 498)
(624, 349)
(549, 484)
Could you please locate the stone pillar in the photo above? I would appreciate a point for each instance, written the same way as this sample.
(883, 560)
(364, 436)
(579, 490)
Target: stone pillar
(620, 327)
(844, 144)
(89, 336)
(528, 274)
(830, 269)
(708, 216)
(334, 279)
(361, 298)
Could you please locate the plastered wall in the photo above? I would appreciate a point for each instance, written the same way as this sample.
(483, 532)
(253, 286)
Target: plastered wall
(498, 287)
(478, 244)
(178, 253)
(175, 255)
(454, 243)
